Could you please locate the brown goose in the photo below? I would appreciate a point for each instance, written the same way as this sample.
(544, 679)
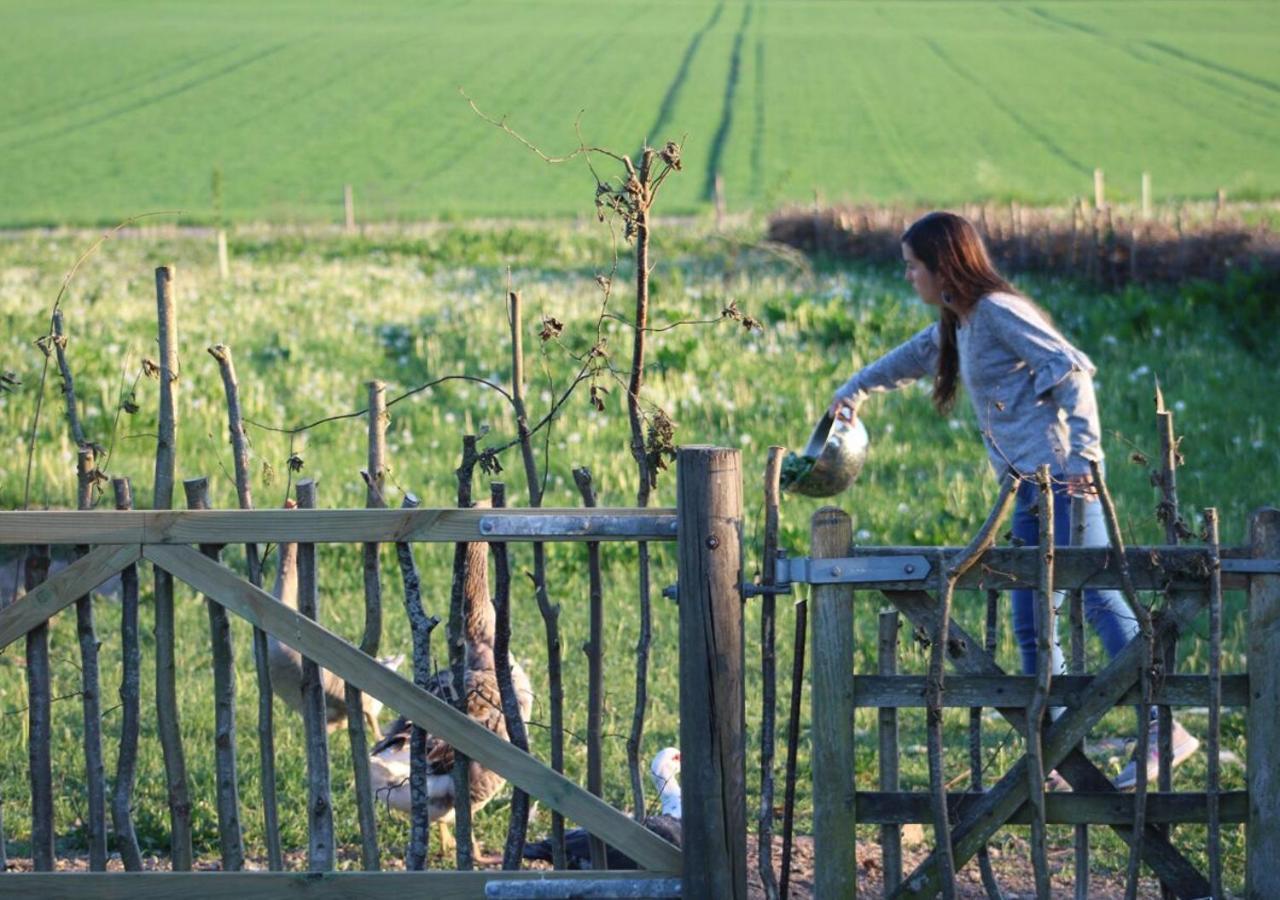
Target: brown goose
(389, 759)
(286, 663)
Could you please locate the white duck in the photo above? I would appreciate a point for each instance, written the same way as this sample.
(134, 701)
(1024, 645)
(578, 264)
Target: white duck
(389, 759)
(577, 847)
(285, 663)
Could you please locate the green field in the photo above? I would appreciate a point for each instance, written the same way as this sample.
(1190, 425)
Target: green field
(111, 110)
(311, 321)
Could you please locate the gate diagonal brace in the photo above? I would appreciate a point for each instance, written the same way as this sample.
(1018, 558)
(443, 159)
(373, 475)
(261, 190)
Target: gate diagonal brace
(841, 570)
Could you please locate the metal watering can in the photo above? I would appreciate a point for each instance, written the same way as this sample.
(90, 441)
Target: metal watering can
(839, 450)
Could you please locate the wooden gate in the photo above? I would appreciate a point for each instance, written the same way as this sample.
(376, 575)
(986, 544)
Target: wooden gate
(1185, 575)
(708, 527)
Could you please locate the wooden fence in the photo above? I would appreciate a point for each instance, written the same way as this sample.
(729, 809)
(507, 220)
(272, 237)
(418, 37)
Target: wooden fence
(1189, 578)
(707, 525)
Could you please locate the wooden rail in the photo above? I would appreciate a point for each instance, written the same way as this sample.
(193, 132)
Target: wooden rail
(319, 526)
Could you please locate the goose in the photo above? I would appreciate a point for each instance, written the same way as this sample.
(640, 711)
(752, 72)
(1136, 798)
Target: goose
(389, 760)
(285, 662)
(577, 842)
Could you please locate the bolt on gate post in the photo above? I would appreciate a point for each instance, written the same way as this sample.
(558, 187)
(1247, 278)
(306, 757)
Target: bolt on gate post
(712, 699)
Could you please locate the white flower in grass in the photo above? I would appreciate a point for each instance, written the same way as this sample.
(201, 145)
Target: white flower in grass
(888, 428)
(1179, 406)
(1110, 339)
(954, 424)
(1139, 373)
(1237, 440)
(1157, 331)
(862, 535)
(450, 417)
(1257, 444)
(904, 508)
(745, 439)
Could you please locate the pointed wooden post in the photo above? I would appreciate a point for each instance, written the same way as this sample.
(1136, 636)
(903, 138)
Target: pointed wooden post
(712, 699)
(1262, 839)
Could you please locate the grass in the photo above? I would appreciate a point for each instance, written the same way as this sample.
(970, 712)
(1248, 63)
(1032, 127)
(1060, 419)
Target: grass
(310, 322)
(117, 110)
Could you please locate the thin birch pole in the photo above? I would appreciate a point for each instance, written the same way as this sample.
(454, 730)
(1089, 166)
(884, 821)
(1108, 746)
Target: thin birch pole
(1215, 703)
(420, 627)
(1081, 889)
(768, 672)
(175, 764)
(68, 383)
(372, 635)
(890, 834)
(518, 823)
(957, 566)
(39, 721)
(985, 870)
(90, 692)
(456, 632)
(230, 837)
(1146, 634)
(130, 703)
(261, 655)
(549, 611)
(645, 477)
(594, 649)
(1040, 698)
(320, 849)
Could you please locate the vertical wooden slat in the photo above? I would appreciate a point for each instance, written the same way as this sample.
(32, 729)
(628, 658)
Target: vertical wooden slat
(594, 650)
(1167, 513)
(985, 869)
(834, 849)
(800, 644)
(712, 699)
(372, 635)
(230, 838)
(39, 722)
(456, 633)
(261, 655)
(890, 835)
(90, 693)
(1215, 703)
(175, 765)
(1262, 838)
(768, 670)
(130, 703)
(320, 850)
(1081, 889)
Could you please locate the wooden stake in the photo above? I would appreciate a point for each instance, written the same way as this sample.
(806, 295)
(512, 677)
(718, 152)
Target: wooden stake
(224, 262)
(890, 835)
(230, 839)
(261, 656)
(985, 868)
(456, 631)
(1215, 703)
(175, 764)
(1040, 699)
(800, 643)
(39, 721)
(712, 710)
(320, 848)
(372, 635)
(349, 208)
(1146, 196)
(768, 674)
(90, 694)
(130, 703)
(1078, 509)
(1099, 190)
(594, 649)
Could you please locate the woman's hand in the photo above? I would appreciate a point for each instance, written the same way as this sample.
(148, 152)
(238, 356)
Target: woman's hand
(1082, 486)
(843, 407)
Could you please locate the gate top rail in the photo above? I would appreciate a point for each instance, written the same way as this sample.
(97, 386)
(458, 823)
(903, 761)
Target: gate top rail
(336, 526)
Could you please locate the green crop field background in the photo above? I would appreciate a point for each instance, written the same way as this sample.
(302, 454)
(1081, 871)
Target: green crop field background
(110, 110)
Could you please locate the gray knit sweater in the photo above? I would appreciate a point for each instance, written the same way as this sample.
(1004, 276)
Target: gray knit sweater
(1031, 390)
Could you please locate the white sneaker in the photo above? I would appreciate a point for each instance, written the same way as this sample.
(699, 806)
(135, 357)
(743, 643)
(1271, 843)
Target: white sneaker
(1184, 744)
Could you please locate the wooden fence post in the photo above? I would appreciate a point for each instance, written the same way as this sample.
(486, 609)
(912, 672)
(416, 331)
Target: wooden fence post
(1099, 190)
(349, 208)
(835, 859)
(890, 835)
(1146, 196)
(712, 700)
(1262, 839)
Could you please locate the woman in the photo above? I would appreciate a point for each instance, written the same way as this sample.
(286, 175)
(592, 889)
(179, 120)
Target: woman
(1032, 392)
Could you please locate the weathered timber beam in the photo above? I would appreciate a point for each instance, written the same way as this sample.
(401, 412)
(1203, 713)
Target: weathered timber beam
(225, 526)
(1071, 691)
(63, 589)
(439, 885)
(1104, 808)
(474, 740)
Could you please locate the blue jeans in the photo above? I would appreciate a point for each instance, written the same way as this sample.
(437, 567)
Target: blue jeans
(1106, 611)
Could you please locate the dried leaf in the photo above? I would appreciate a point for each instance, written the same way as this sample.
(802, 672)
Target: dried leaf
(150, 368)
(295, 463)
(551, 328)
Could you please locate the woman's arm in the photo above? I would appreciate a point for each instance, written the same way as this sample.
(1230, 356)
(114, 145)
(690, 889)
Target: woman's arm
(906, 363)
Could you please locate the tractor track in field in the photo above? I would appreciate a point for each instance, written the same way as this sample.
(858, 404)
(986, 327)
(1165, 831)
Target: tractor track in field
(1043, 139)
(146, 102)
(715, 155)
(667, 106)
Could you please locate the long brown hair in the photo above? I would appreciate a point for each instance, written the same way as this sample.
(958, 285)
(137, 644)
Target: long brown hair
(953, 252)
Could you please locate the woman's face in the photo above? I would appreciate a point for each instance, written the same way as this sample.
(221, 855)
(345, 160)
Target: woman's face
(925, 282)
